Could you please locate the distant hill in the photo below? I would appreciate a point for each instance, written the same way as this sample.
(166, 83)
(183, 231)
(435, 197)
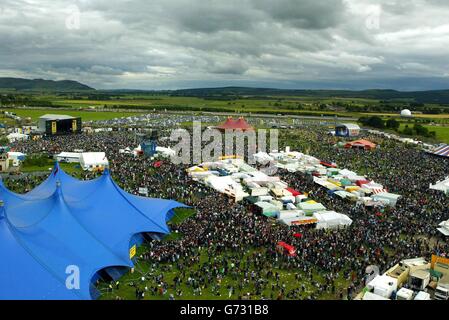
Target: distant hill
(435, 96)
(20, 84)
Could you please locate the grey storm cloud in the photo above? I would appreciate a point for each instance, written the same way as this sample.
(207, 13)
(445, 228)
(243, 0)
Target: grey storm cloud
(186, 43)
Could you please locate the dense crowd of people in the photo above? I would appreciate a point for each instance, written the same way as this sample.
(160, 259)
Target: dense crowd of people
(230, 252)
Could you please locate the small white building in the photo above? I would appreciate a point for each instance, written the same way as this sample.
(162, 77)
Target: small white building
(93, 160)
(331, 220)
(441, 186)
(16, 157)
(422, 296)
(404, 294)
(444, 228)
(15, 136)
(166, 152)
(372, 296)
(69, 157)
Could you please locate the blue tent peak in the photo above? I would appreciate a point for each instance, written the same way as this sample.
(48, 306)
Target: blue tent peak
(91, 224)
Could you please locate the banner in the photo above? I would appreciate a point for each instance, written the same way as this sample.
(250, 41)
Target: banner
(304, 221)
(132, 251)
(440, 262)
(53, 127)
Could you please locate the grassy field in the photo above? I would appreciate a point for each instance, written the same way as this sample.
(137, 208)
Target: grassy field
(169, 271)
(419, 116)
(122, 106)
(71, 168)
(442, 133)
(249, 104)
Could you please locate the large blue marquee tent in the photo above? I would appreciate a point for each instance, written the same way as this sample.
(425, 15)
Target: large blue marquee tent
(67, 222)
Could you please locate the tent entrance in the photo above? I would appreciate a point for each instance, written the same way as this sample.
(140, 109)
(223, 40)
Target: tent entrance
(112, 273)
(152, 236)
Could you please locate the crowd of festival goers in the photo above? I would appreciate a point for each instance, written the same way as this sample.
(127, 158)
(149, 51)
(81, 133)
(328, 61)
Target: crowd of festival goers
(227, 251)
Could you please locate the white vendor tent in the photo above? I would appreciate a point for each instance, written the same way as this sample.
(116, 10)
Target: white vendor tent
(345, 194)
(387, 198)
(383, 285)
(287, 214)
(227, 185)
(372, 186)
(324, 183)
(372, 296)
(13, 137)
(268, 209)
(165, 152)
(331, 220)
(127, 150)
(258, 191)
(68, 157)
(441, 186)
(422, 296)
(93, 160)
(444, 228)
(311, 206)
(262, 157)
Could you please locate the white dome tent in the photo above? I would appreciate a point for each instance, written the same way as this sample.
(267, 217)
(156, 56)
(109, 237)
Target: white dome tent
(406, 113)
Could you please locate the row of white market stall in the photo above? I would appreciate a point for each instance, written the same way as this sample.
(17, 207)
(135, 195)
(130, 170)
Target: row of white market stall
(268, 195)
(442, 186)
(340, 182)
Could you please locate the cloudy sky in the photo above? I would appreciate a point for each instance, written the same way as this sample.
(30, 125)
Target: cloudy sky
(168, 44)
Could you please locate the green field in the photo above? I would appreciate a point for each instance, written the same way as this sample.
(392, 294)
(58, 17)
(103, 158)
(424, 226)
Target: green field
(278, 104)
(72, 168)
(294, 105)
(442, 133)
(122, 105)
(169, 271)
(34, 114)
(129, 282)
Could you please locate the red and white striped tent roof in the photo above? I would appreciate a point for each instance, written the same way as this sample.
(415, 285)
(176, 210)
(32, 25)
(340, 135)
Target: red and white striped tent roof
(379, 190)
(442, 150)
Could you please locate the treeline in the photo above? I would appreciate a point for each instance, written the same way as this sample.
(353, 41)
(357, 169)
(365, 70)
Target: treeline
(432, 96)
(239, 109)
(14, 100)
(389, 107)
